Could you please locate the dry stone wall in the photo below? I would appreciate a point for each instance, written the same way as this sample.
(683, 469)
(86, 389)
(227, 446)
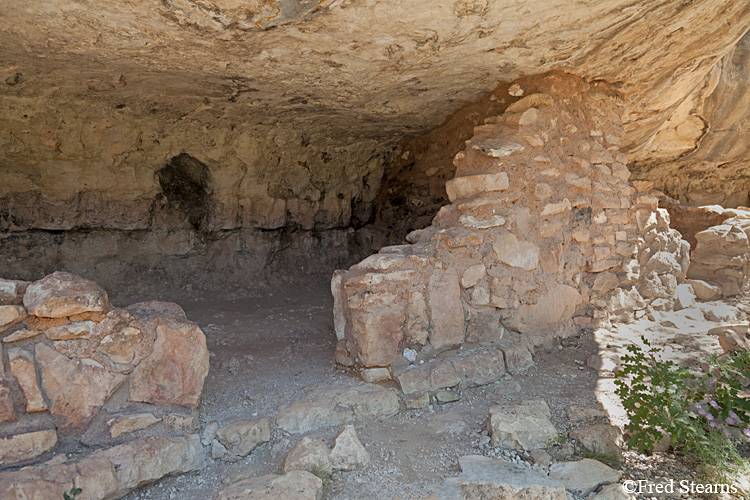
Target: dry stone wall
(75, 371)
(544, 235)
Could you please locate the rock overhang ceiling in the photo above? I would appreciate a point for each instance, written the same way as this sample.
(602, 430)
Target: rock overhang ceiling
(362, 68)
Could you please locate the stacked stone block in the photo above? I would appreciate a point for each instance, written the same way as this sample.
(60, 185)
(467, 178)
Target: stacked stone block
(542, 236)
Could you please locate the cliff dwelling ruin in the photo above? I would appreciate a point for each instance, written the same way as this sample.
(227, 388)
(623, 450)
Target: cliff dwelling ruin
(364, 250)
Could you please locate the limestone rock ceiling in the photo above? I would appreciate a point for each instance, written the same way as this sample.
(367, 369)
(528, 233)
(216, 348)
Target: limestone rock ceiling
(377, 69)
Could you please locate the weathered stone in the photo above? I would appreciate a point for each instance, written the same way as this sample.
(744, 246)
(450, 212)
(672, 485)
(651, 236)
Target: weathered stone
(23, 370)
(417, 325)
(175, 370)
(81, 330)
(446, 396)
(447, 328)
(324, 406)
(540, 457)
(415, 402)
(121, 347)
(518, 358)
(41, 324)
(556, 208)
(348, 453)
(555, 306)
(473, 222)
(579, 413)
(605, 439)
(466, 186)
(64, 294)
(379, 325)
(240, 437)
(373, 375)
(153, 308)
(516, 253)
(76, 389)
(684, 297)
(295, 485)
(10, 316)
(479, 369)
(19, 335)
(605, 282)
(484, 477)
(339, 298)
(584, 476)
(472, 275)
(129, 423)
(21, 447)
(523, 424)
(8, 291)
(705, 291)
(7, 413)
(725, 245)
(614, 492)
(310, 455)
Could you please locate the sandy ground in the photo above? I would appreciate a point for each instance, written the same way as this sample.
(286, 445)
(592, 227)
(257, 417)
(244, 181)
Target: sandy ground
(265, 350)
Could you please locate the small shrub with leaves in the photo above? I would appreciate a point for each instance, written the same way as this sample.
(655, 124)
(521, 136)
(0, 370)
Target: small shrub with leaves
(695, 411)
(72, 494)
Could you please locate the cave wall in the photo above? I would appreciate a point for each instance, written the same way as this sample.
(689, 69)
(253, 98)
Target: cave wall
(115, 192)
(279, 125)
(698, 156)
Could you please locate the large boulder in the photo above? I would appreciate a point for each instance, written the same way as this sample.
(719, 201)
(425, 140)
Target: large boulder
(64, 294)
(175, 370)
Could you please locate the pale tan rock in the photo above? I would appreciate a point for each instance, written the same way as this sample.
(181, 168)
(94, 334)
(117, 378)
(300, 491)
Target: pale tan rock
(129, 423)
(294, 485)
(516, 253)
(153, 308)
(108, 474)
(553, 307)
(577, 413)
(240, 437)
(121, 346)
(23, 370)
(416, 329)
(583, 476)
(19, 335)
(7, 411)
(76, 389)
(473, 222)
(80, 330)
(705, 291)
(325, 405)
(310, 455)
(524, 425)
(372, 375)
(10, 316)
(64, 294)
(447, 327)
(8, 291)
(473, 275)
(175, 370)
(466, 186)
(600, 439)
(348, 453)
(21, 447)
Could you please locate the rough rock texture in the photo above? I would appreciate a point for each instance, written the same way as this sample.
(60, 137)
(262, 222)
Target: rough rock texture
(311, 455)
(185, 135)
(348, 453)
(240, 437)
(294, 485)
(22, 447)
(484, 477)
(698, 155)
(83, 372)
(524, 424)
(583, 476)
(324, 406)
(107, 474)
(544, 235)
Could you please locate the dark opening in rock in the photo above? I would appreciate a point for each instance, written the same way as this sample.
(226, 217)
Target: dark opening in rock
(184, 181)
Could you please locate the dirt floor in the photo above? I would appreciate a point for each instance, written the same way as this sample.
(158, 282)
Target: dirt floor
(266, 350)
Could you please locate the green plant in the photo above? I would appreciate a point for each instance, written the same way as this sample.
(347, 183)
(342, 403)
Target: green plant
(72, 494)
(321, 469)
(695, 411)
(605, 457)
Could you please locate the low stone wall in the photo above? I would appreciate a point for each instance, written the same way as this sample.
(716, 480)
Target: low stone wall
(544, 234)
(74, 371)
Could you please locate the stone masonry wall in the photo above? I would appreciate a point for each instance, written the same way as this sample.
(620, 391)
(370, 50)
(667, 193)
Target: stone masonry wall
(544, 234)
(75, 371)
